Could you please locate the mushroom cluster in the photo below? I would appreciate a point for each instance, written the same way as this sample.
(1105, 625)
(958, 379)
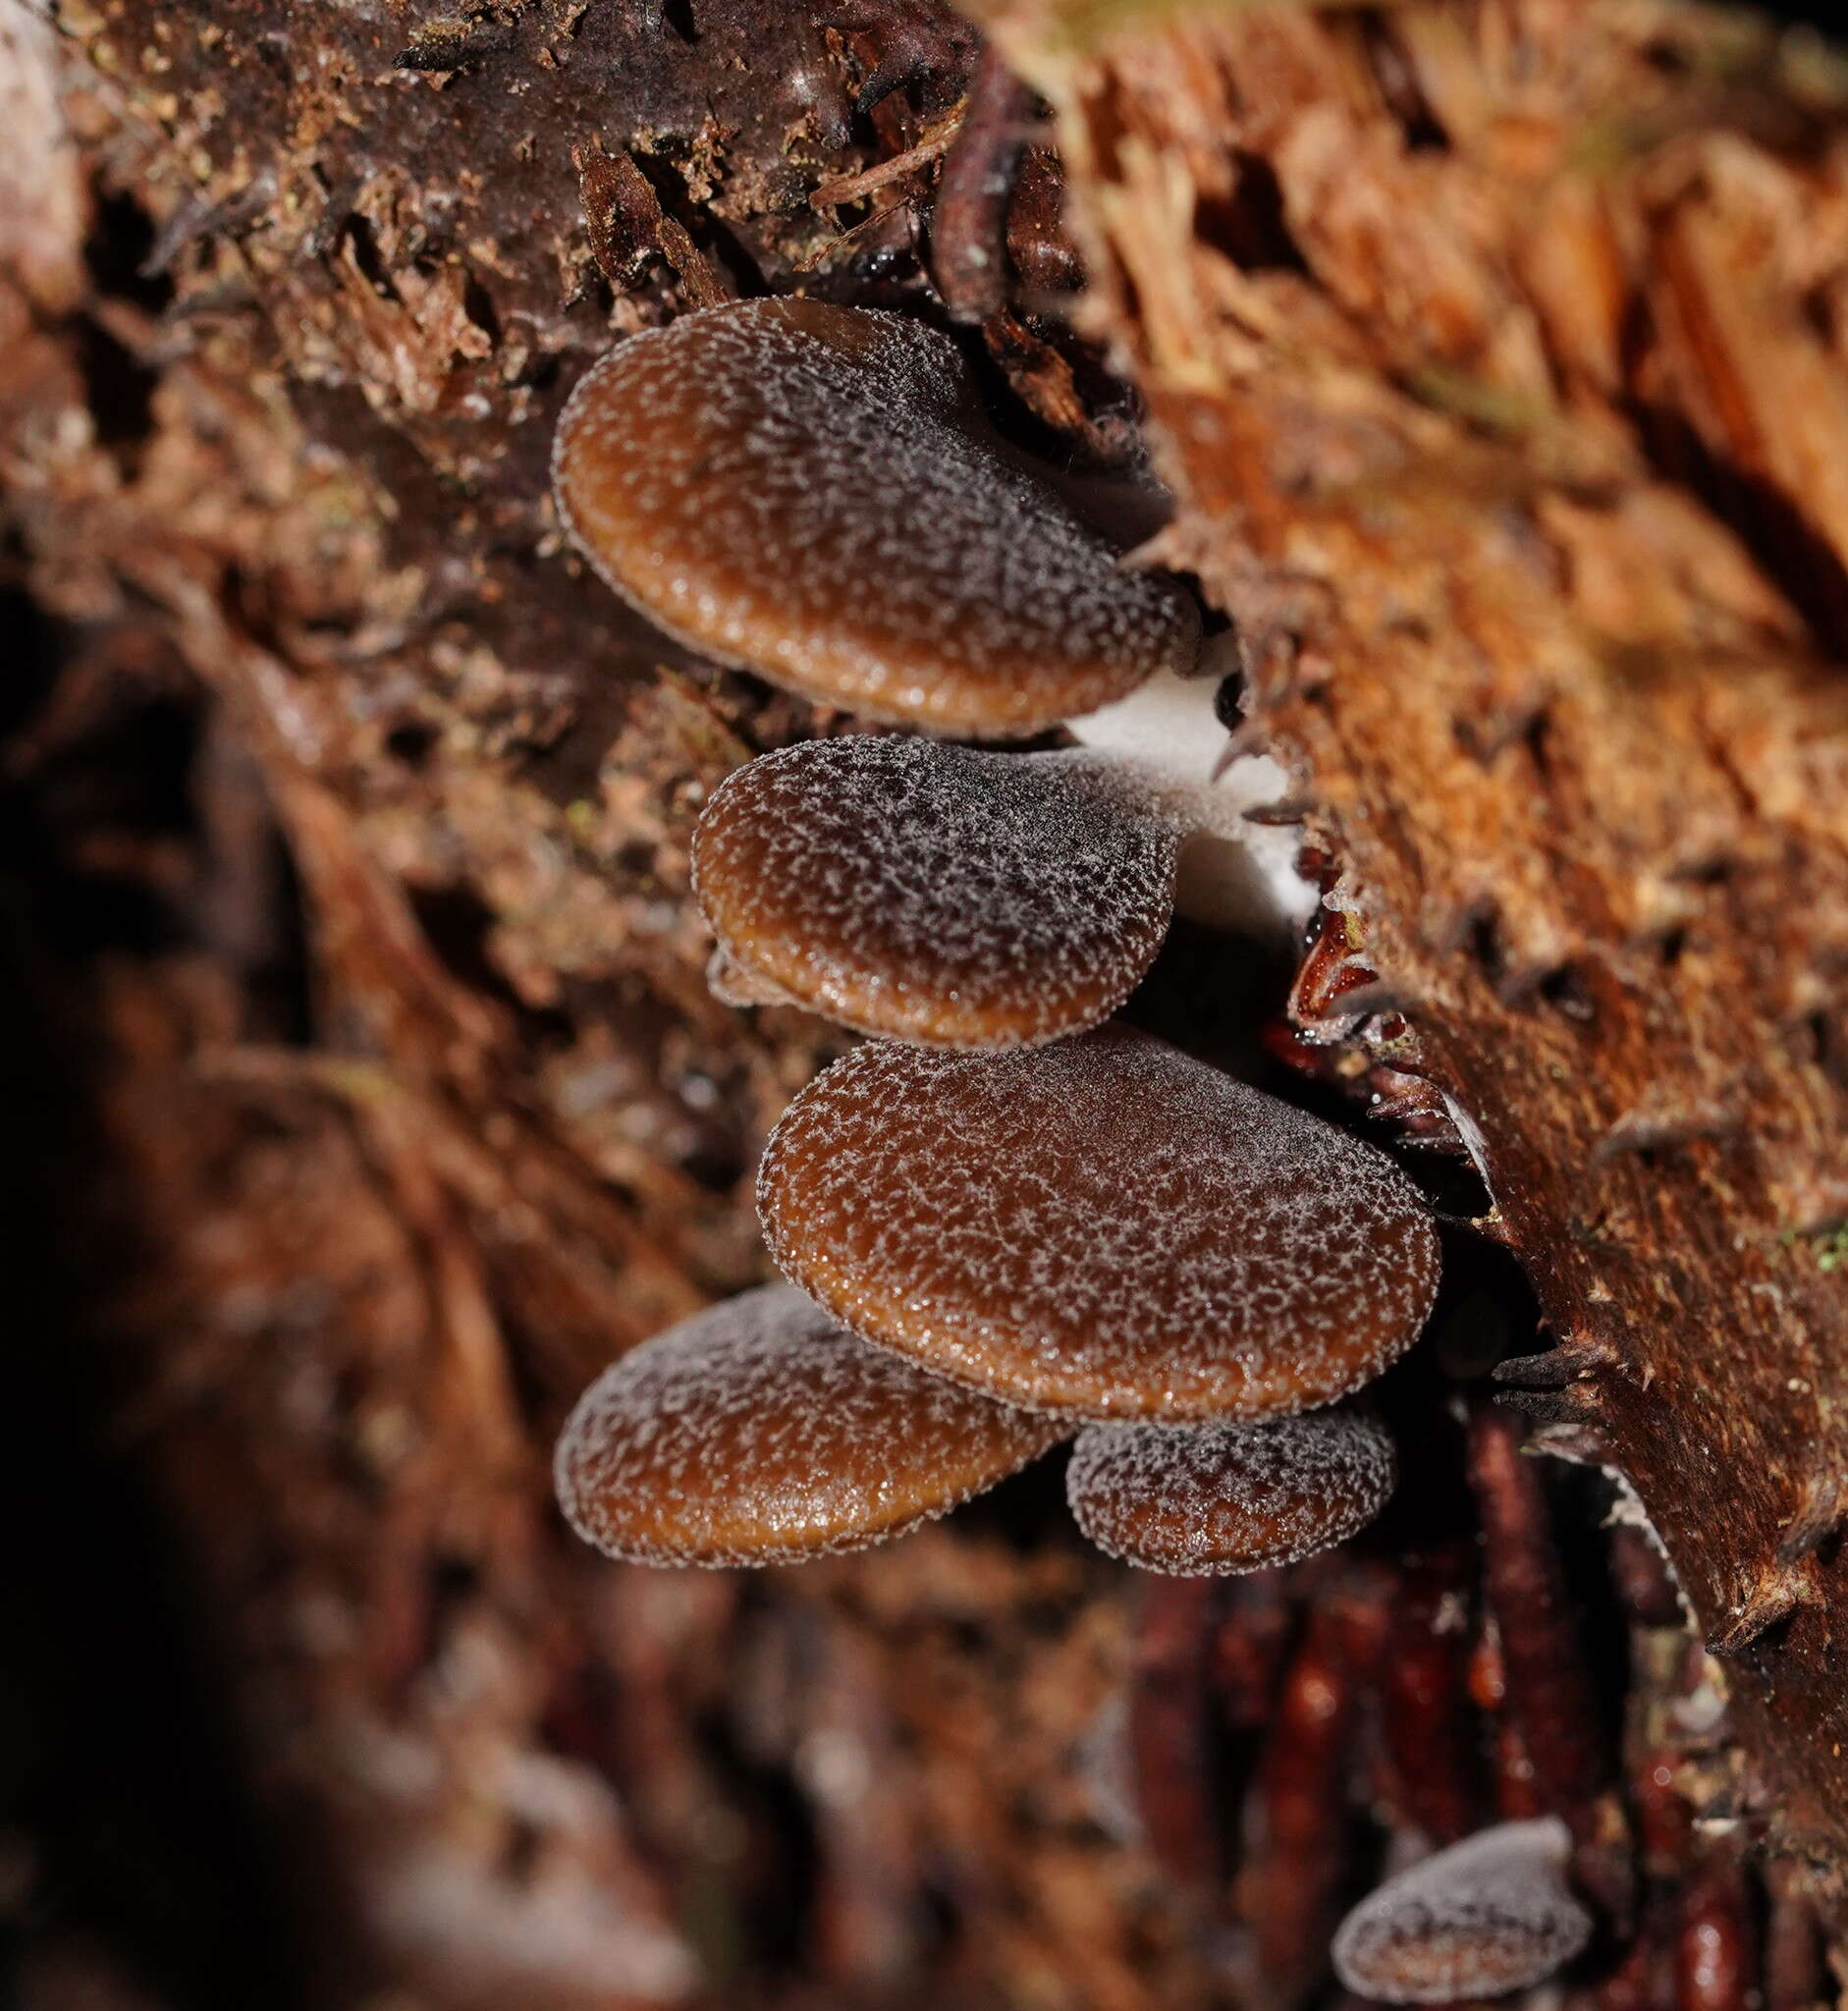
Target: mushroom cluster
(1013, 1219)
(1011, 1216)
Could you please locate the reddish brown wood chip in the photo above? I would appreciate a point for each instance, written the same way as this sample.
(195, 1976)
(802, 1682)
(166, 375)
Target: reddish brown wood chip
(1103, 1228)
(1199, 1499)
(937, 894)
(761, 1433)
(810, 492)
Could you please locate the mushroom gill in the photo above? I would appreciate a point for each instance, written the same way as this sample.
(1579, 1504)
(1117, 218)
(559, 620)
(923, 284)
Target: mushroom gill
(936, 894)
(811, 492)
(759, 1432)
(1103, 1228)
(1209, 1499)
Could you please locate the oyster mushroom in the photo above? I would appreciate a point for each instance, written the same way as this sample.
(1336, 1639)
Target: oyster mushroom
(1201, 1499)
(810, 492)
(958, 897)
(1490, 1914)
(1103, 1228)
(936, 894)
(759, 1432)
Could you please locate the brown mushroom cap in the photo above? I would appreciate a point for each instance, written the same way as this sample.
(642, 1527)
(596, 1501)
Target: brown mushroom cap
(1103, 1228)
(937, 894)
(809, 492)
(1490, 1914)
(1202, 1500)
(761, 1433)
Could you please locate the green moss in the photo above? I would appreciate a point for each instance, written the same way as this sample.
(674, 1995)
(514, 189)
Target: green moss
(1830, 1245)
(1466, 397)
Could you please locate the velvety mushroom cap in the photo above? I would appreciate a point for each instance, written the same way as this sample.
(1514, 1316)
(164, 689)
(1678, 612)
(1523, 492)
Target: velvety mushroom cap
(761, 1433)
(809, 492)
(937, 894)
(1103, 1228)
(1201, 1499)
(1490, 1914)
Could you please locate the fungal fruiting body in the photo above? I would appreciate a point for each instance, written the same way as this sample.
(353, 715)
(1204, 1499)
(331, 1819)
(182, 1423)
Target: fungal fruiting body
(810, 492)
(935, 894)
(760, 1432)
(1201, 1499)
(1490, 1914)
(1105, 1227)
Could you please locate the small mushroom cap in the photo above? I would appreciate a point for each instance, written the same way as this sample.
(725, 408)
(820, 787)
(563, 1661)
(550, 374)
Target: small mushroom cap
(1202, 1500)
(937, 894)
(1103, 1228)
(761, 1433)
(809, 492)
(1490, 1914)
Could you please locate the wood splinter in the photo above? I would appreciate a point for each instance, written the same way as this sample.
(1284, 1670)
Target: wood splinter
(1821, 1516)
(1779, 1590)
(627, 227)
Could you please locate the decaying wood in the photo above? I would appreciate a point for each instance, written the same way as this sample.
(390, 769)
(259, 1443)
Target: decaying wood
(1501, 369)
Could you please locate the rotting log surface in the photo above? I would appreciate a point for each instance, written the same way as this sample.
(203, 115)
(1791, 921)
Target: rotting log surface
(1501, 358)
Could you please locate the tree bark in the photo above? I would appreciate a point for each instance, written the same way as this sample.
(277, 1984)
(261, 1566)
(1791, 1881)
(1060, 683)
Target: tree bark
(1490, 358)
